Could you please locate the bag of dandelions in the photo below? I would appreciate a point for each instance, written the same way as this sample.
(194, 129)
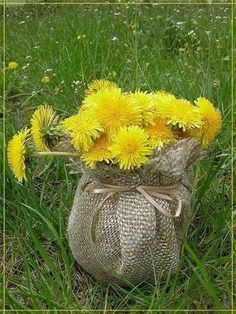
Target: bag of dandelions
(133, 201)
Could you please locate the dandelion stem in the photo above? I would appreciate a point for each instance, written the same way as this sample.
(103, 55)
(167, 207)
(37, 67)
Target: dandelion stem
(66, 154)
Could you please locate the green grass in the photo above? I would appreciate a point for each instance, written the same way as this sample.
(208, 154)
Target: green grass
(141, 44)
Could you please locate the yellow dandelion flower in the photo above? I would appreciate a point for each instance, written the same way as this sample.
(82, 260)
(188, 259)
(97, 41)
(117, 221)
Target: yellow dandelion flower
(97, 85)
(41, 122)
(159, 133)
(70, 123)
(16, 154)
(179, 112)
(45, 80)
(130, 147)
(212, 121)
(113, 109)
(98, 152)
(12, 65)
(163, 98)
(146, 104)
(83, 130)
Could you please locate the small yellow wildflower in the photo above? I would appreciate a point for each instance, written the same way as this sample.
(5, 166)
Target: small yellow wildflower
(56, 89)
(45, 80)
(97, 85)
(16, 154)
(211, 118)
(131, 147)
(179, 112)
(12, 65)
(98, 152)
(113, 109)
(83, 130)
(134, 25)
(159, 133)
(81, 36)
(112, 74)
(41, 122)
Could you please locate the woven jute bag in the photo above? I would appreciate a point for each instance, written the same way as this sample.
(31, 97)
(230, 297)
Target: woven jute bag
(127, 226)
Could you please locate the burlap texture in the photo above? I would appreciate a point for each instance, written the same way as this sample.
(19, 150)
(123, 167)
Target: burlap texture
(134, 241)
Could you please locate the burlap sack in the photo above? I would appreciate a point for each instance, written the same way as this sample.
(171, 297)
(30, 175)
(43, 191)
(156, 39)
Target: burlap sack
(123, 237)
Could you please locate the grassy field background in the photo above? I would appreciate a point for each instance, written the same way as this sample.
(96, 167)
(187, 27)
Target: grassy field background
(181, 49)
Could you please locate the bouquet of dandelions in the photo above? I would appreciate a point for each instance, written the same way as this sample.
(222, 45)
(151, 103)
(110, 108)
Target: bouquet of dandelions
(132, 204)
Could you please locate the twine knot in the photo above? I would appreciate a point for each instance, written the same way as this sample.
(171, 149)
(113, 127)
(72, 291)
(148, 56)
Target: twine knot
(163, 192)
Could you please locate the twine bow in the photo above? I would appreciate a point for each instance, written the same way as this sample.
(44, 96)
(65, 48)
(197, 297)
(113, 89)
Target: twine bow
(163, 192)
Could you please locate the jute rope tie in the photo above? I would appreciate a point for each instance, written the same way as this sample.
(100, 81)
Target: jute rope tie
(163, 192)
